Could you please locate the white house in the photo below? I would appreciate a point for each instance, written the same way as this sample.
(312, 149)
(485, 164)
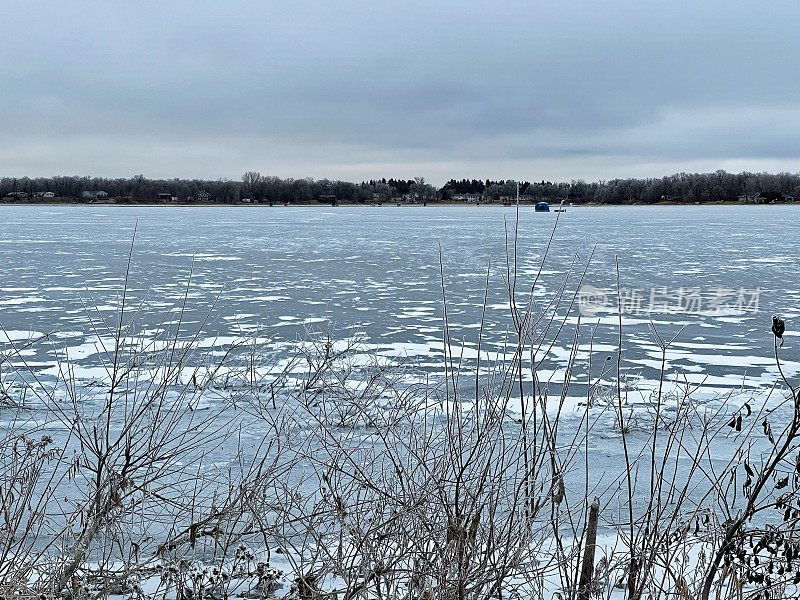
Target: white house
(752, 198)
(466, 197)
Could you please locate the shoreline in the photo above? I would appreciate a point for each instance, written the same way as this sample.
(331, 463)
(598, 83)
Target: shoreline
(386, 204)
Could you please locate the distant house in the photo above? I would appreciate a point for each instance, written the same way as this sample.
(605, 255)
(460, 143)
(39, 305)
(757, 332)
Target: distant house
(15, 196)
(752, 198)
(512, 199)
(94, 194)
(164, 197)
(328, 199)
(467, 197)
(203, 196)
(766, 198)
(48, 195)
(247, 200)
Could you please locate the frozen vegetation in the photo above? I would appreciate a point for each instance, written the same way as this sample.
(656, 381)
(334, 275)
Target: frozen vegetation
(158, 460)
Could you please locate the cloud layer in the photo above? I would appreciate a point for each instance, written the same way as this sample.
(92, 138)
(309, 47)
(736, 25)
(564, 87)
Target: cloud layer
(357, 89)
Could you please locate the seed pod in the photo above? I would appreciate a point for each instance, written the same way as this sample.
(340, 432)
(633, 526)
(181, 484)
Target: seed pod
(778, 327)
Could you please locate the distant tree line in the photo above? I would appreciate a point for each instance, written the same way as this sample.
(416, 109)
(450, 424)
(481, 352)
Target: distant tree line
(489, 190)
(255, 187)
(719, 186)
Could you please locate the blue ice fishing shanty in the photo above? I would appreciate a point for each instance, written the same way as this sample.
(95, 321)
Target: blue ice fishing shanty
(542, 207)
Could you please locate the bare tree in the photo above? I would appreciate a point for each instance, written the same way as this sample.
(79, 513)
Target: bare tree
(252, 183)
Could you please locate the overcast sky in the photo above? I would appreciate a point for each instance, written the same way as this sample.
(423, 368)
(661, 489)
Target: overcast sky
(353, 89)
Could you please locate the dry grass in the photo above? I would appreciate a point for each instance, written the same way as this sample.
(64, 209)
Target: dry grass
(364, 486)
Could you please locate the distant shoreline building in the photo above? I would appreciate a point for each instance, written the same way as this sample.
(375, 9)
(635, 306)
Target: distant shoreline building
(94, 194)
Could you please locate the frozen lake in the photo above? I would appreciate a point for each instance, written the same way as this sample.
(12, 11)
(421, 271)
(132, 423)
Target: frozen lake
(710, 277)
(713, 274)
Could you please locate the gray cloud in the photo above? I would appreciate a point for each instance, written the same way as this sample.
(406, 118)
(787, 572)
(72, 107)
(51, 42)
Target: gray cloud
(359, 89)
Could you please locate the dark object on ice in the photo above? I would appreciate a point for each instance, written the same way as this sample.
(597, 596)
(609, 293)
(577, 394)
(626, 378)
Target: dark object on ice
(778, 327)
(542, 207)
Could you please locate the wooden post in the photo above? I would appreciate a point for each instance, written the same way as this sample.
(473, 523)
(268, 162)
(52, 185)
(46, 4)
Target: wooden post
(587, 570)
